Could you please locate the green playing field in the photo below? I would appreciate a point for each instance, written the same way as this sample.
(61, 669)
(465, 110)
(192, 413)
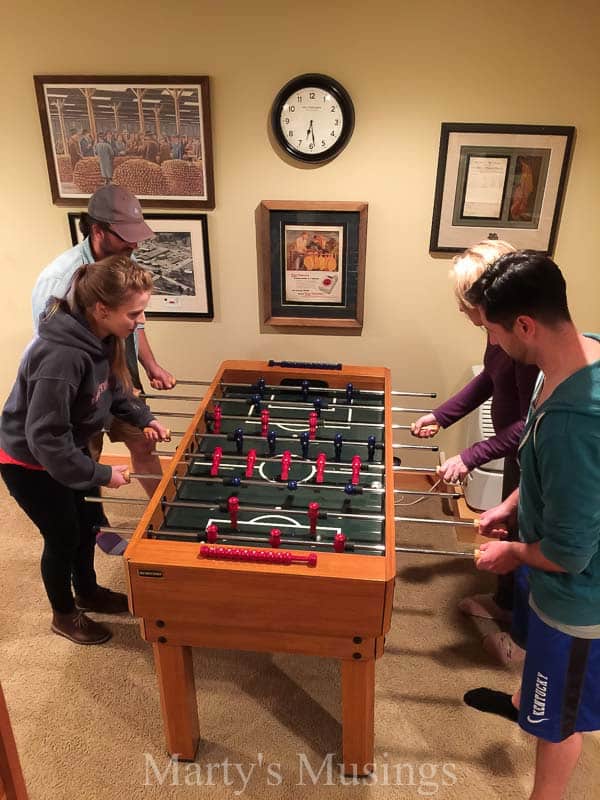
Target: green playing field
(267, 501)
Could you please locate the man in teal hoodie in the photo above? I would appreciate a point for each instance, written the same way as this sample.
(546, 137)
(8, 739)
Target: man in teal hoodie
(524, 308)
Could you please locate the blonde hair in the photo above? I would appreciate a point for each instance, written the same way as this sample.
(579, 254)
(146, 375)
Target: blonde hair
(111, 281)
(470, 265)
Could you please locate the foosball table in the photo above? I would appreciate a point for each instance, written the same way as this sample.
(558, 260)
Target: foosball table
(273, 529)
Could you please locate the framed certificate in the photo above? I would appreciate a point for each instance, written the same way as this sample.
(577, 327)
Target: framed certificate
(500, 182)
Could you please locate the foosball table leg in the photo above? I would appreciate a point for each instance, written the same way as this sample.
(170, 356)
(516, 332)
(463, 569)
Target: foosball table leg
(175, 672)
(358, 715)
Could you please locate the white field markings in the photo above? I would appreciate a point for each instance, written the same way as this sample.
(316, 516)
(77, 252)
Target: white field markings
(298, 427)
(276, 521)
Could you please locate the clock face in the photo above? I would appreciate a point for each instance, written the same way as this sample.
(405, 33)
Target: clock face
(313, 118)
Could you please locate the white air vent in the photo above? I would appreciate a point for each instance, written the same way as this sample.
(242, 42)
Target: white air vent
(483, 489)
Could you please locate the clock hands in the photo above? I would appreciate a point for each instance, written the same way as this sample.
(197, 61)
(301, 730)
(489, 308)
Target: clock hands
(311, 132)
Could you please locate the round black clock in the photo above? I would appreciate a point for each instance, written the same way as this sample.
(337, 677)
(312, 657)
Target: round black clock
(313, 118)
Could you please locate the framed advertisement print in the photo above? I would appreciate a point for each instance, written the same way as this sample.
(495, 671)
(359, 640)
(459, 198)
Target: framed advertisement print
(500, 182)
(312, 263)
(178, 258)
(150, 134)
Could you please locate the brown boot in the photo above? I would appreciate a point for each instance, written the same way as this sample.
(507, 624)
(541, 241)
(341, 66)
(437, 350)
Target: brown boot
(78, 628)
(103, 601)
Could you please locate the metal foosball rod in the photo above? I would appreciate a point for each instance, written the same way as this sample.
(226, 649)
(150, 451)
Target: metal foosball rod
(420, 470)
(294, 421)
(261, 509)
(463, 523)
(196, 536)
(471, 554)
(162, 412)
(296, 388)
(351, 442)
(300, 404)
(394, 392)
(230, 536)
(188, 458)
(257, 438)
(431, 448)
(169, 396)
(243, 482)
(221, 506)
(413, 394)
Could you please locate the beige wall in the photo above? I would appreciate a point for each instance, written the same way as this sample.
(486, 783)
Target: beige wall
(408, 66)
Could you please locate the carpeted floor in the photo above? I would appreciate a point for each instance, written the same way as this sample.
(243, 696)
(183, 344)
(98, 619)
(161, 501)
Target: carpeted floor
(88, 725)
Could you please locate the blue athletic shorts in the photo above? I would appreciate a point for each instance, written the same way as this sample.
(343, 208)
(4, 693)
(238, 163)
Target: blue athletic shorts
(560, 694)
(520, 611)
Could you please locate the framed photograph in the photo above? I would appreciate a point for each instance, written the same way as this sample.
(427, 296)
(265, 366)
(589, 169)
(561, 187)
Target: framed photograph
(312, 263)
(151, 135)
(500, 182)
(178, 258)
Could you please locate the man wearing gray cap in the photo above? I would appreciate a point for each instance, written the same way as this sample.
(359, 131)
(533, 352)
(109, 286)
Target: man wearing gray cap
(113, 225)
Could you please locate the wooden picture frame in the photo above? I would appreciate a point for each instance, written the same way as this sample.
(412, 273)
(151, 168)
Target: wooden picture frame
(179, 260)
(311, 258)
(500, 182)
(150, 134)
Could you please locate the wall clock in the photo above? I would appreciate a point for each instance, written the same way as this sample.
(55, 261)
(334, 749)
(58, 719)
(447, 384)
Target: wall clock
(312, 118)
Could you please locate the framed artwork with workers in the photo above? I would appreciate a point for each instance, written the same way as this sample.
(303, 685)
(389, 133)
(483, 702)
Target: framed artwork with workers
(150, 134)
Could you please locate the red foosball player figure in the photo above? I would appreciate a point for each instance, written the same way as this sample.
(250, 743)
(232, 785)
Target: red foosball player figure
(313, 516)
(218, 415)
(339, 542)
(212, 533)
(286, 460)
(275, 538)
(264, 422)
(216, 460)
(313, 419)
(233, 505)
(356, 465)
(321, 461)
(250, 462)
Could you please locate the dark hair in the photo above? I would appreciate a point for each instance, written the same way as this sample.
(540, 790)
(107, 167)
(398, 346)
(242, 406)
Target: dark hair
(525, 282)
(86, 222)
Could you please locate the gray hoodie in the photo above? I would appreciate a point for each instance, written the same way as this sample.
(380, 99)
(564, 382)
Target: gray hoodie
(62, 396)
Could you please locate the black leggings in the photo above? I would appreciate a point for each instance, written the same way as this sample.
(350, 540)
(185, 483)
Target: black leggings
(68, 525)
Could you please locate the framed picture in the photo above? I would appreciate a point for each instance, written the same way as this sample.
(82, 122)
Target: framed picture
(179, 260)
(312, 263)
(151, 135)
(500, 182)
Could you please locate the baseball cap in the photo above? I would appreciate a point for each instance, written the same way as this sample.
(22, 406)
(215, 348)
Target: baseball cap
(122, 211)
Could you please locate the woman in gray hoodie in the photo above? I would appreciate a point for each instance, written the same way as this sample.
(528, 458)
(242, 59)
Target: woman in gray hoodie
(72, 377)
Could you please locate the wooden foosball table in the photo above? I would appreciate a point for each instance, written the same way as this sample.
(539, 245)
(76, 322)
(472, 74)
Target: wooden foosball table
(273, 530)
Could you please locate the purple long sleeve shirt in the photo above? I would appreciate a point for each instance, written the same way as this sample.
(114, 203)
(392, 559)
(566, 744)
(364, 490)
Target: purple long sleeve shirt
(510, 386)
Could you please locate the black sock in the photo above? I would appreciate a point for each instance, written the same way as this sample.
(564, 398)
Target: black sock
(492, 702)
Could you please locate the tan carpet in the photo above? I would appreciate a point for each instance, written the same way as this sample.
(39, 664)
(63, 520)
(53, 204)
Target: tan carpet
(87, 720)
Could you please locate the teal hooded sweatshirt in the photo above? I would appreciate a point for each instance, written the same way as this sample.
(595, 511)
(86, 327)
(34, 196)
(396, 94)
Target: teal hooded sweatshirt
(559, 499)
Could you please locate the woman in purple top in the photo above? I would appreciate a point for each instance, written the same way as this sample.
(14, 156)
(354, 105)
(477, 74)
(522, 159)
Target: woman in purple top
(510, 386)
